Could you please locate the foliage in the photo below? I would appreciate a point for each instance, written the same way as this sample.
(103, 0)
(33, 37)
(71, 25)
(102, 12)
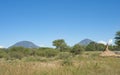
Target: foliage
(64, 55)
(117, 37)
(3, 53)
(46, 52)
(95, 47)
(60, 44)
(34, 58)
(91, 47)
(19, 52)
(67, 62)
(62, 50)
(77, 49)
(100, 47)
(115, 48)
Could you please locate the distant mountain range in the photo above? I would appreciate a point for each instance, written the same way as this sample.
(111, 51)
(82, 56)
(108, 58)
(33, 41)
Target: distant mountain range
(85, 42)
(26, 44)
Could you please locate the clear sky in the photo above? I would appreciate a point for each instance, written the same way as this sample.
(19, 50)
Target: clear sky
(42, 21)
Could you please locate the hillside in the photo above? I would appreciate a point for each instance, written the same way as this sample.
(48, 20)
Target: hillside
(85, 42)
(26, 44)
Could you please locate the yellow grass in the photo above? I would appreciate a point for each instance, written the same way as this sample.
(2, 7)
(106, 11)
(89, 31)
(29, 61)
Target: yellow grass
(82, 65)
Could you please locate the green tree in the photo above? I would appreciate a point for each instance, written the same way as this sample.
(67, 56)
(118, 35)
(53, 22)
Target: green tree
(60, 44)
(100, 47)
(117, 37)
(3, 53)
(115, 48)
(46, 52)
(19, 52)
(77, 49)
(91, 47)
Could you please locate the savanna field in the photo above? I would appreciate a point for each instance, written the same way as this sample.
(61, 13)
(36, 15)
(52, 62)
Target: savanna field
(88, 63)
(60, 37)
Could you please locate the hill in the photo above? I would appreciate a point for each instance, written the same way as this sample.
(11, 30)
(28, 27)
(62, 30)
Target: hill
(85, 42)
(26, 44)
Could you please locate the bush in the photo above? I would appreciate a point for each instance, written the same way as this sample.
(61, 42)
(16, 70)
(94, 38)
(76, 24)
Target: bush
(15, 55)
(46, 52)
(77, 49)
(3, 53)
(32, 58)
(67, 62)
(19, 52)
(64, 55)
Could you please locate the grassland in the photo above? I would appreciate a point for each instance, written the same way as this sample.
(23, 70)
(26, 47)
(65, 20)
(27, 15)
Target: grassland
(88, 63)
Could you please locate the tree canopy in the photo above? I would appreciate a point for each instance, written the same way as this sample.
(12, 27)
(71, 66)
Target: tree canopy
(117, 38)
(77, 49)
(60, 44)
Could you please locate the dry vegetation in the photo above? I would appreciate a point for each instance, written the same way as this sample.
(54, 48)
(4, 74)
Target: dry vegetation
(87, 64)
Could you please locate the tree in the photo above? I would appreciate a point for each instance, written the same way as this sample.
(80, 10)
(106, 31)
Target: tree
(3, 53)
(46, 52)
(19, 52)
(91, 47)
(117, 37)
(100, 47)
(115, 48)
(60, 44)
(77, 49)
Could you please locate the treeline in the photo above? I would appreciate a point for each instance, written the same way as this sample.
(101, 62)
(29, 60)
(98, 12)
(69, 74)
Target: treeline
(61, 49)
(21, 52)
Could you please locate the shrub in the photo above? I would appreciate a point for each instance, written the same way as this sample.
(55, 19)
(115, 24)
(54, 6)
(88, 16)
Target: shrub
(16, 55)
(19, 52)
(46, 52)
(77, 49)
(67, 62)
(32, 58)
(3, 53)
(64, 55)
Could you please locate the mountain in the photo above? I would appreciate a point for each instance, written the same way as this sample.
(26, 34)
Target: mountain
(26, 44)
(85, 42)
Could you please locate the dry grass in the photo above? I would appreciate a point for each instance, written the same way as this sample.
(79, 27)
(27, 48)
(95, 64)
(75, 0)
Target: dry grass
(81, 66)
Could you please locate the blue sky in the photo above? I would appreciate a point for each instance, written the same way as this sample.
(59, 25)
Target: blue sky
(42, 21)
